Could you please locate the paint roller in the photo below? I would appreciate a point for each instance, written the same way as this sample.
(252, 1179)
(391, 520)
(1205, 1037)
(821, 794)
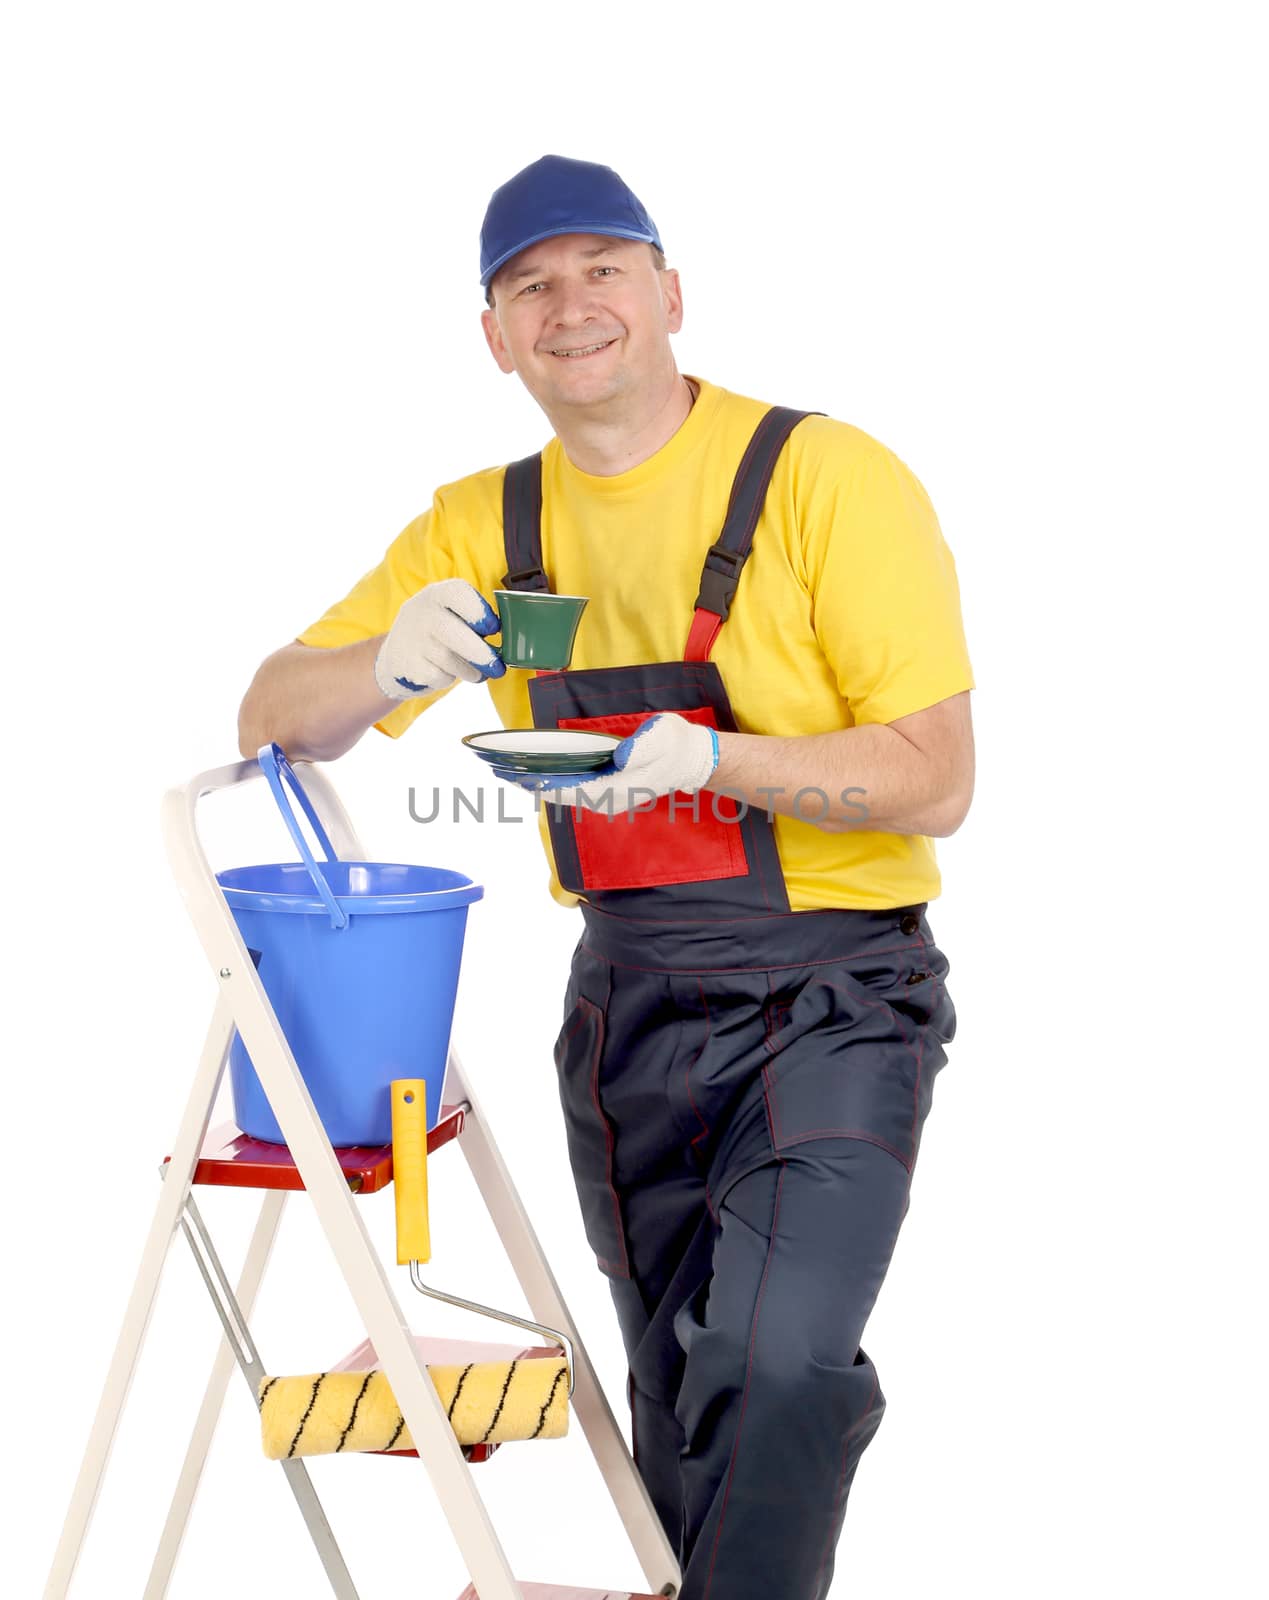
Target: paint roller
(487, 1402)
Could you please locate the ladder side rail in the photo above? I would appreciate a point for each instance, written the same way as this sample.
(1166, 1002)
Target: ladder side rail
(655, 1554)
(333, 1203)
(136, 1318)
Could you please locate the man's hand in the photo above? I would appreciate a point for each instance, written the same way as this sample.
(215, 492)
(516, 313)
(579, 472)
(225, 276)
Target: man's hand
(663, 755)
(436, 638)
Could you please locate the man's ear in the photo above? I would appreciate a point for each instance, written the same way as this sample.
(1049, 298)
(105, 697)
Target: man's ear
(493, 338)
(672, 290)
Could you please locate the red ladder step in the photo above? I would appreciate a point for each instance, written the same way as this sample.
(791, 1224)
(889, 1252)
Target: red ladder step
(232, 1158)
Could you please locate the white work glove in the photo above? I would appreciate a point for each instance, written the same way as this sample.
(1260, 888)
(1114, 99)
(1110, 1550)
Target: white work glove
(663, 755)
(436, 638)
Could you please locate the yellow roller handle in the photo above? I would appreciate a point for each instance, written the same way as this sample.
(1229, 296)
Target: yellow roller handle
(409, 1169)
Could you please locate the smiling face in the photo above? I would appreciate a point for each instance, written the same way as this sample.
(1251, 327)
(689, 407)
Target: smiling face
(585, 321)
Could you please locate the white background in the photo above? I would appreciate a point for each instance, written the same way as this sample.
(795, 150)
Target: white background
(241, 348)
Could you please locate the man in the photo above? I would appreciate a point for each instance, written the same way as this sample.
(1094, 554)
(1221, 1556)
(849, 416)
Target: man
(756, 1008)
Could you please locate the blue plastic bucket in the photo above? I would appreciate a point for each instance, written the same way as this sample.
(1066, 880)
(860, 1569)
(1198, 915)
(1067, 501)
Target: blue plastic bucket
(360, 961)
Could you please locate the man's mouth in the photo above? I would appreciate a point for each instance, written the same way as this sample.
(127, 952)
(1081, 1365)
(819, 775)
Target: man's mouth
(582, 351)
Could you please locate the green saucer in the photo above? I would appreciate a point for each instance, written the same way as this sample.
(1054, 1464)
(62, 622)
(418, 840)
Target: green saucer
(544, 751)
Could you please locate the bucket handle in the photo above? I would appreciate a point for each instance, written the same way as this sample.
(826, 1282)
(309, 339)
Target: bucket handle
(275, 766)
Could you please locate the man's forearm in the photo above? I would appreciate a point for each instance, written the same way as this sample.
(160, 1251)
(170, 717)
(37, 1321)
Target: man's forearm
(315, 703)
(868, 778)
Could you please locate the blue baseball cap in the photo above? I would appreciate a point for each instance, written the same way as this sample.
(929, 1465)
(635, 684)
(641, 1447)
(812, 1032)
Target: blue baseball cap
(557, 195)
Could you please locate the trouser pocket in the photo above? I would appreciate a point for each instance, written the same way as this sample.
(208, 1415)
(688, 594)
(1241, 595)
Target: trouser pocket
(579, 1053)
(854, 1048)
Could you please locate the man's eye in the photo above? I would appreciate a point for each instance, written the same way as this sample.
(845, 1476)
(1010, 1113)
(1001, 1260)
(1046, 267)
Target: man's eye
(530, 286)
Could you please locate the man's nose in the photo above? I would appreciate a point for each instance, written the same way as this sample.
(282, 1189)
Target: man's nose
(573, 302)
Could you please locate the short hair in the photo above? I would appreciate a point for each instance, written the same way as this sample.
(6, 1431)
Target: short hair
(658, 261)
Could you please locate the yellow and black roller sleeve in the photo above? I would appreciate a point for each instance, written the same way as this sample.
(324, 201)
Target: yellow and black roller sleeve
(487, 1402)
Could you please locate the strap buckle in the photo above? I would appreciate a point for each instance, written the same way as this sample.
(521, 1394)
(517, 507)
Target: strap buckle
(720, 579)
(529, 578)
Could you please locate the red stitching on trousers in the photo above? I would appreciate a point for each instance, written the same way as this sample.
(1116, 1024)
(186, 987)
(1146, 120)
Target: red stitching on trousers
(624, 1265)
(744, 1395)
(861, 1134)
(778, 1144)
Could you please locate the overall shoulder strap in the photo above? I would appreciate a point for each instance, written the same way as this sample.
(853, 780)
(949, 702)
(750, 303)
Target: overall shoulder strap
(522, 524)
(729, 552)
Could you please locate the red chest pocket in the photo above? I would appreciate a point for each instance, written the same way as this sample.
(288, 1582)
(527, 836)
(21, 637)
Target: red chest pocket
(698, 840)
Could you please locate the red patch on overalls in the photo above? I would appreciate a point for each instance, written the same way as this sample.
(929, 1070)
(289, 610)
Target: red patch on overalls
(694, 842)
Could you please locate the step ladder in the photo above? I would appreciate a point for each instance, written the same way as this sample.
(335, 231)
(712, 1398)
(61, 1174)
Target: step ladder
(333, 1180)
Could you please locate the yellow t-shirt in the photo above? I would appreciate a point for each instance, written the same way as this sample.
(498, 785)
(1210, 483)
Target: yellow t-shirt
(848, 610)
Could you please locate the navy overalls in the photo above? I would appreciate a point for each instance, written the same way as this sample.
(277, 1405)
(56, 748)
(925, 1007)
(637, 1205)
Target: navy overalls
(744, 1089)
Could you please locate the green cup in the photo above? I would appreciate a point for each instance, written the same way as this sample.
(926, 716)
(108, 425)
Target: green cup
(538, 629)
